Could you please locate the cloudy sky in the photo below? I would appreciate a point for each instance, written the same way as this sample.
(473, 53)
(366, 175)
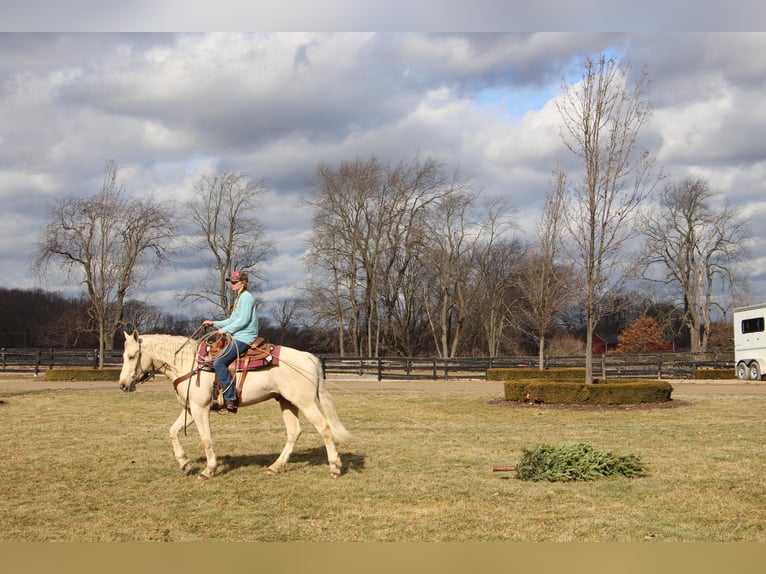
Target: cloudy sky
(171, 106)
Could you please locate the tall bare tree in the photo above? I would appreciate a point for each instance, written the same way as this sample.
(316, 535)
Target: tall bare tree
(546, 280)
(224, 211)
(461, 244)
(367, 230)
(696, 241)
(603, 115)
(496, 301)
(104, 242)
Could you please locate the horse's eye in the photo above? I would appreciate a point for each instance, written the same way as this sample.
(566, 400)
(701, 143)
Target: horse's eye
(131, 357)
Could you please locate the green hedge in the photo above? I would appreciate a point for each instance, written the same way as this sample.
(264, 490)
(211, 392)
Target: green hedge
(82, 374)
(524, 374)
(623, 392)
(715, 374)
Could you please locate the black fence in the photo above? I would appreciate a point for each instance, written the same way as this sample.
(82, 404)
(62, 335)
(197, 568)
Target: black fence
(609, 366)
(24, 360)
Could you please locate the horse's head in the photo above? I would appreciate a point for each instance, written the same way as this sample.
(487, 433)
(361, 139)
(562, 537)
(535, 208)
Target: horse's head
(136, 366)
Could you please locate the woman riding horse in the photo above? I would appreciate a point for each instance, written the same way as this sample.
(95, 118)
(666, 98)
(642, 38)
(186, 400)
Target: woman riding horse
(242, 325)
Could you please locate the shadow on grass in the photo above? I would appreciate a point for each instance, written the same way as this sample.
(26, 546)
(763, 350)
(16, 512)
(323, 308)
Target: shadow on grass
(312, 457)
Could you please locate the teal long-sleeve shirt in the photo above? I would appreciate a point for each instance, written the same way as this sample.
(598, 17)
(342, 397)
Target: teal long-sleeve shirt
(243, 322)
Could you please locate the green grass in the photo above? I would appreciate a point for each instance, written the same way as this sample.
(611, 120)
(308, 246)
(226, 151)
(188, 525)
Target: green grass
(97, 466)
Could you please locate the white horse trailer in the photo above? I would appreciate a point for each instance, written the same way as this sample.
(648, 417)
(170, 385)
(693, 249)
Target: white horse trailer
(750, 342)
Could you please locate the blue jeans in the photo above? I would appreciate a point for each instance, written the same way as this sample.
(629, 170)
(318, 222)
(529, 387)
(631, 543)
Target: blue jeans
(221, 366)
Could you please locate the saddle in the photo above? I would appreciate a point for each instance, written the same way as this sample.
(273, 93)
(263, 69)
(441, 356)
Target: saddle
(259, 355)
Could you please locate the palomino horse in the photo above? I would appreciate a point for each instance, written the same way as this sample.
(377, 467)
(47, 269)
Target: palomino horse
(297, 383)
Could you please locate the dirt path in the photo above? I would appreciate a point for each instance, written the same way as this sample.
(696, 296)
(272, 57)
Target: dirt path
(15, 383)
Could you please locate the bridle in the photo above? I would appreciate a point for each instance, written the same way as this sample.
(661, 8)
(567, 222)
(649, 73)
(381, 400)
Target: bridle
(139, 373)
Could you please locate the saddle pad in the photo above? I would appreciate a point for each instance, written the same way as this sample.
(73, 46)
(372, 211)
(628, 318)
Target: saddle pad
(272, 360)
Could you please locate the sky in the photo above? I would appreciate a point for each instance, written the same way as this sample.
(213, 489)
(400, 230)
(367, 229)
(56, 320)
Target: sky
(171, 106)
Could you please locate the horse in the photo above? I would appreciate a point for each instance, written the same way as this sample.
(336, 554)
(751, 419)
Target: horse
(297, 383)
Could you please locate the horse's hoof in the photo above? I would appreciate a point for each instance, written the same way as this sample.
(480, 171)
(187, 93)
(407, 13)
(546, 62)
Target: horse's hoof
(187, 468)
(334, 473)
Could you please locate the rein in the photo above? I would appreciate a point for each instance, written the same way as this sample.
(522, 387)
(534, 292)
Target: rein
(202, 363)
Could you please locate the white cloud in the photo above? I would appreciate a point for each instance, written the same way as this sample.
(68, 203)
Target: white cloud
(171, 107)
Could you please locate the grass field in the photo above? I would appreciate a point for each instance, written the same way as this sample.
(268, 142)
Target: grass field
(97, 466)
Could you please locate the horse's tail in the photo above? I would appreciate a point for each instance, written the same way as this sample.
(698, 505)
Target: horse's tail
(339, 432)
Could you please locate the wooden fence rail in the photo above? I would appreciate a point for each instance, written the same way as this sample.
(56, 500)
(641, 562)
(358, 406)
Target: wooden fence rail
(609, 366)
(37, 359)
(659, 366)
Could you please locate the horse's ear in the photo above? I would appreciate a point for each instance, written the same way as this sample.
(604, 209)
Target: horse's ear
(135, 335)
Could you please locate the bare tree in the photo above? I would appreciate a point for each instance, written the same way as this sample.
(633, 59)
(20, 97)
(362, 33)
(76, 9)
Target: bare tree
(460, 247)
(696, 244)
(602, 116)
(103, 241)
(342, 242)
(449, 257)
(284, 314)
(224, 210)
(367, 231)
(496, 301)
(546, 281)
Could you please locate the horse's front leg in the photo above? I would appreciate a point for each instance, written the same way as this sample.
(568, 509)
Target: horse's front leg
(183, 421)
(293, 428)
(201, 415)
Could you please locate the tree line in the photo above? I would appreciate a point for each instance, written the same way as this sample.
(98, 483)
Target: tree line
(407, 258)
(36, 318)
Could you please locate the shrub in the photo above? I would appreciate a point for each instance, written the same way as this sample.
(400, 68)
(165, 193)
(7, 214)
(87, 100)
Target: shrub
(82, 374)
(619, 392)
(715, 374)
(560, 374)
(578, 461)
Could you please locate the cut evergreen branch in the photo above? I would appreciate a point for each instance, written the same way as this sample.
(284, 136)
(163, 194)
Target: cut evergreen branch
(575, 462)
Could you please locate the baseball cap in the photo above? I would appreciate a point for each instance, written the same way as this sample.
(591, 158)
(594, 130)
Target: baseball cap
(237, 276)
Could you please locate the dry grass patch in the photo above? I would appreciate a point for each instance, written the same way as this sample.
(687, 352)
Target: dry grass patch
(97, 466)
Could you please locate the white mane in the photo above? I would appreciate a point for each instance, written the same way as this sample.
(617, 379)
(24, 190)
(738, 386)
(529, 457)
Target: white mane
(176, 350)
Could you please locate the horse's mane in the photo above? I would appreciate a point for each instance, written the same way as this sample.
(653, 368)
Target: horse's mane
(174, 349)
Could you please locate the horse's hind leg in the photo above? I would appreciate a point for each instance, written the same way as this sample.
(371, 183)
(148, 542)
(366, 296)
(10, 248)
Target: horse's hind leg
(183, 421)
(293, 428)
(315, 417)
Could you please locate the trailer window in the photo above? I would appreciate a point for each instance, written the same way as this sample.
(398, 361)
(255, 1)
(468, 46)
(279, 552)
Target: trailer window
(752, 325)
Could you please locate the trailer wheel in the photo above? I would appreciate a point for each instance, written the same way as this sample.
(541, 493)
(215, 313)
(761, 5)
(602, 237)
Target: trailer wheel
(742, 371)
(755, 371)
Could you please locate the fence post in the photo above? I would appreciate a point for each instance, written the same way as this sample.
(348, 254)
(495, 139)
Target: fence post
(380, 369)
(434, 368)
(95, 359)
(659, 366)
(38, 358)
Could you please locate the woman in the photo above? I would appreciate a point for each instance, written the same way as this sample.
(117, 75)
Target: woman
(242, 325)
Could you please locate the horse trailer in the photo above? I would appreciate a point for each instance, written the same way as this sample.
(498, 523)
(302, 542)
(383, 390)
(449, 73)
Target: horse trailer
(750, 342)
